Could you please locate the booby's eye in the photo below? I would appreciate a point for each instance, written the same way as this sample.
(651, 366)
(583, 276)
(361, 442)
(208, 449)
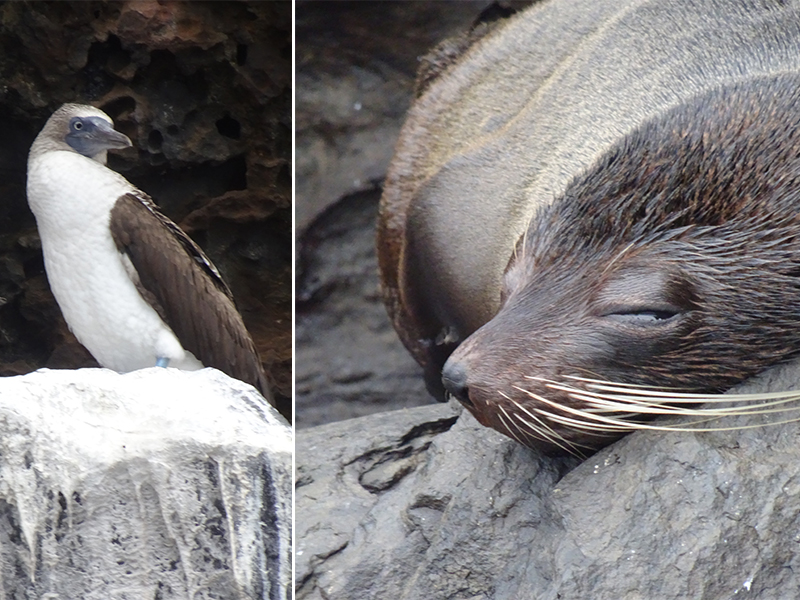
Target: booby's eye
(76, 124)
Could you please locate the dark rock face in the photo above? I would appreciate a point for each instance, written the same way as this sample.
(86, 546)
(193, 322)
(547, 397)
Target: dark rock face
(349, 359)
(356, 64)
(203, 91)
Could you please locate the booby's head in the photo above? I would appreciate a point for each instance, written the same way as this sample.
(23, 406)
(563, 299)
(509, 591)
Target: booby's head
(80, 128)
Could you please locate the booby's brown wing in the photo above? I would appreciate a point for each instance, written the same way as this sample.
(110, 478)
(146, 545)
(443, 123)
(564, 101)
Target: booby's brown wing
(186, 290)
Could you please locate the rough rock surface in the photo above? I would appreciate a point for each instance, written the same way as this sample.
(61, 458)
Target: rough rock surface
(349, 359)
(203, 91)
(154, 484)
(356, 68)
(410, 505)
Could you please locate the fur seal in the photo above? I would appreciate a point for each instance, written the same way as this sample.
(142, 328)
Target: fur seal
(600, 195)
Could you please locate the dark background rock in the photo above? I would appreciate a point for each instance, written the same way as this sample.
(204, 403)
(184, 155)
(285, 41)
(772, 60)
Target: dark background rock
(356, 70)
(204, 92)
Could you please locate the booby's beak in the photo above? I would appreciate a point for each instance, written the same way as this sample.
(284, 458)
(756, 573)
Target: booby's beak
(109, 138)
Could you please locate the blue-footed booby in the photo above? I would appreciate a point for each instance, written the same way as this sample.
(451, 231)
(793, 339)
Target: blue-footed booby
(133, 287)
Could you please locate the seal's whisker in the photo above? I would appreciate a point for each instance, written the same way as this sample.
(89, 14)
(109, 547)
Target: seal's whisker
(656, 402)
(684, 428)
(619, 424)
(554, 439)
(539, 432)
(592, 423)
(541, 426)
(590, 420)
(690, 398)
(646, 406)
(600, 382)
(507, 426)
(618, 421)
(608, 425)
(673, 396)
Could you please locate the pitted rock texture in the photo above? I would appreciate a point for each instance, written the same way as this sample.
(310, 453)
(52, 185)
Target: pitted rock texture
(154, 484)
(204, 92)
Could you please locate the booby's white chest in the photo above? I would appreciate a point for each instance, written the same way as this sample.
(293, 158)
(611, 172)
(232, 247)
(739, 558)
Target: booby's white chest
(72, 197)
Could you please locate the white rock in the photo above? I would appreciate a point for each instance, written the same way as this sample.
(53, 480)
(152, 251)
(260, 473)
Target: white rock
(154, 484)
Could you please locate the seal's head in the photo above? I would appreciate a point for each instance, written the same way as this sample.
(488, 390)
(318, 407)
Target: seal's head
(673, 263)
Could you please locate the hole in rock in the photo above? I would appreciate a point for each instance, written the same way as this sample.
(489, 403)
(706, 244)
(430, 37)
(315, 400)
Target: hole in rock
(119, 107)
(155, 140)
(241, 54)
(229, 127)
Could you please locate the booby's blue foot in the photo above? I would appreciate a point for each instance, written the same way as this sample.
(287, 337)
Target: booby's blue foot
(162, 362)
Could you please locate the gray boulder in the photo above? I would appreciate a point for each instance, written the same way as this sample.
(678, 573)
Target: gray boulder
(423, 503)
(154, 484)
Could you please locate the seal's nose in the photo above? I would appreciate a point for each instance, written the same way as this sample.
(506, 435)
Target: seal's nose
(454, 378)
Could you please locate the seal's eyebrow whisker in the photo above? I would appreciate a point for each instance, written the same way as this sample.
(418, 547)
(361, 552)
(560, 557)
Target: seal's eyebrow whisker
(619, 255)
